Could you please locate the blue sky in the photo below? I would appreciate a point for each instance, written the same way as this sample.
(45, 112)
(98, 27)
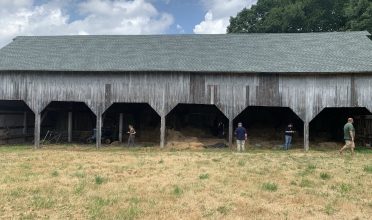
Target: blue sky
(115, 17)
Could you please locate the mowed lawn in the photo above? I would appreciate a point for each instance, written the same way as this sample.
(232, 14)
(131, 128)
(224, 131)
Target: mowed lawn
(79, 182)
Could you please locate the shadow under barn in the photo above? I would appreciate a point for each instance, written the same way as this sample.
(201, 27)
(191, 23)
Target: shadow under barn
(194, 126)
(144, 119)
(17, 122)
(326, 129)
(59, 116)
(266, 126)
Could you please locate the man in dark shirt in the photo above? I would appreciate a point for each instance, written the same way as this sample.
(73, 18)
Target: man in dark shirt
(241, 136)
(288, 136)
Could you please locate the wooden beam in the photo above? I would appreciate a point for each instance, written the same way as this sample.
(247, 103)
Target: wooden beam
(230, 133)
(121, 127)
(99, 131)
(25, 125)
(37, 131)
(69, 127)
(162, 131)
(306, 136)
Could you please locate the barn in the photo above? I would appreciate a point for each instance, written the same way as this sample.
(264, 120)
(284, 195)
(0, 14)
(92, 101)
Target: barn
(168, 82)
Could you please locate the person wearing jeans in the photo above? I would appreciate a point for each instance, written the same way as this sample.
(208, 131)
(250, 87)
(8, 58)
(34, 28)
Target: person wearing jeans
(131, 133)
(241, 136)
(288, 136)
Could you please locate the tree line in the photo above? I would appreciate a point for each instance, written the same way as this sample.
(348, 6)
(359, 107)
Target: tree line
(299, 16)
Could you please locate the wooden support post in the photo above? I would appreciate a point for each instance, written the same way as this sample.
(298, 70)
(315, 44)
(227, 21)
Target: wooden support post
(25, 125)
(306, 136)
(121, 127)
(99, 131)
(37, 131)
(162, 131)
(69, 127)
(230, 133)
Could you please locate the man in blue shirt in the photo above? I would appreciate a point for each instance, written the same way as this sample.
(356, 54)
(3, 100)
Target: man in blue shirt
(288, 136)
(241, 136)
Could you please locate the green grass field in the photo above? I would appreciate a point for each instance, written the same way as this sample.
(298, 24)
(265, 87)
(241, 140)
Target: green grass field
(79, 182)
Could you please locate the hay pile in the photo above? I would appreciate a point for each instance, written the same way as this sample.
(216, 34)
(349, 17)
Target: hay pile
(176, 139)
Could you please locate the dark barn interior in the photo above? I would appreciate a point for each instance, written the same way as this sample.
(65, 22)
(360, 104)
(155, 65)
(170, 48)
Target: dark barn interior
(16, 122)
(328, 125)
(141, 116)
(266, 125)
(196, 120)
(55, 117)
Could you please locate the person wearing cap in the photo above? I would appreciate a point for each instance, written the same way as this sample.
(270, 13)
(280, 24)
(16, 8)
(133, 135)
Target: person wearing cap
(349, 136)
(241, 136)
(288, 136)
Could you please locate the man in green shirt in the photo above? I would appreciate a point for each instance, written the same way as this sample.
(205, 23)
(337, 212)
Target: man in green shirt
(349, 136)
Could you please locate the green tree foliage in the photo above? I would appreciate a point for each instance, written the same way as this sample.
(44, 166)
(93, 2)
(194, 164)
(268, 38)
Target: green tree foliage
(359, 15)
(291, 16)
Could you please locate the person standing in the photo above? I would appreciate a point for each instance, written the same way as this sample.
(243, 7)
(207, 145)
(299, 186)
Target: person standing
(221, 129)
(241, 136)
(288, 136)
(131, 133)
(349, 137)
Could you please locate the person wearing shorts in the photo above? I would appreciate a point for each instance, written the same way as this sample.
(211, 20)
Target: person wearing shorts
(349, 136)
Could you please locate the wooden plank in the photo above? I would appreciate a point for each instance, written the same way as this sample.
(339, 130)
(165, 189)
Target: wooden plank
(99, 131)
(230, 133)
(162, 131)
(37, 131)
(121, 117)
(306, 136)
(69, 127)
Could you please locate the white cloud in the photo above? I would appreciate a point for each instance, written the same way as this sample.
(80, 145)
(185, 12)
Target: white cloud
(219, 11)
(21, 17)
(13, 5)
(180, 28)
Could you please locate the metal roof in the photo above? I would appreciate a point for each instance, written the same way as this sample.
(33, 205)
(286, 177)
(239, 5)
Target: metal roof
(300, 52)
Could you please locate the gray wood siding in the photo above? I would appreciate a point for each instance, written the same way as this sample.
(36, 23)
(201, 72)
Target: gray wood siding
(305, 94)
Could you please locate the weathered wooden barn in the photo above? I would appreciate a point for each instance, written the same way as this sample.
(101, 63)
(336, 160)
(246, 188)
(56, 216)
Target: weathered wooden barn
(90, 75)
